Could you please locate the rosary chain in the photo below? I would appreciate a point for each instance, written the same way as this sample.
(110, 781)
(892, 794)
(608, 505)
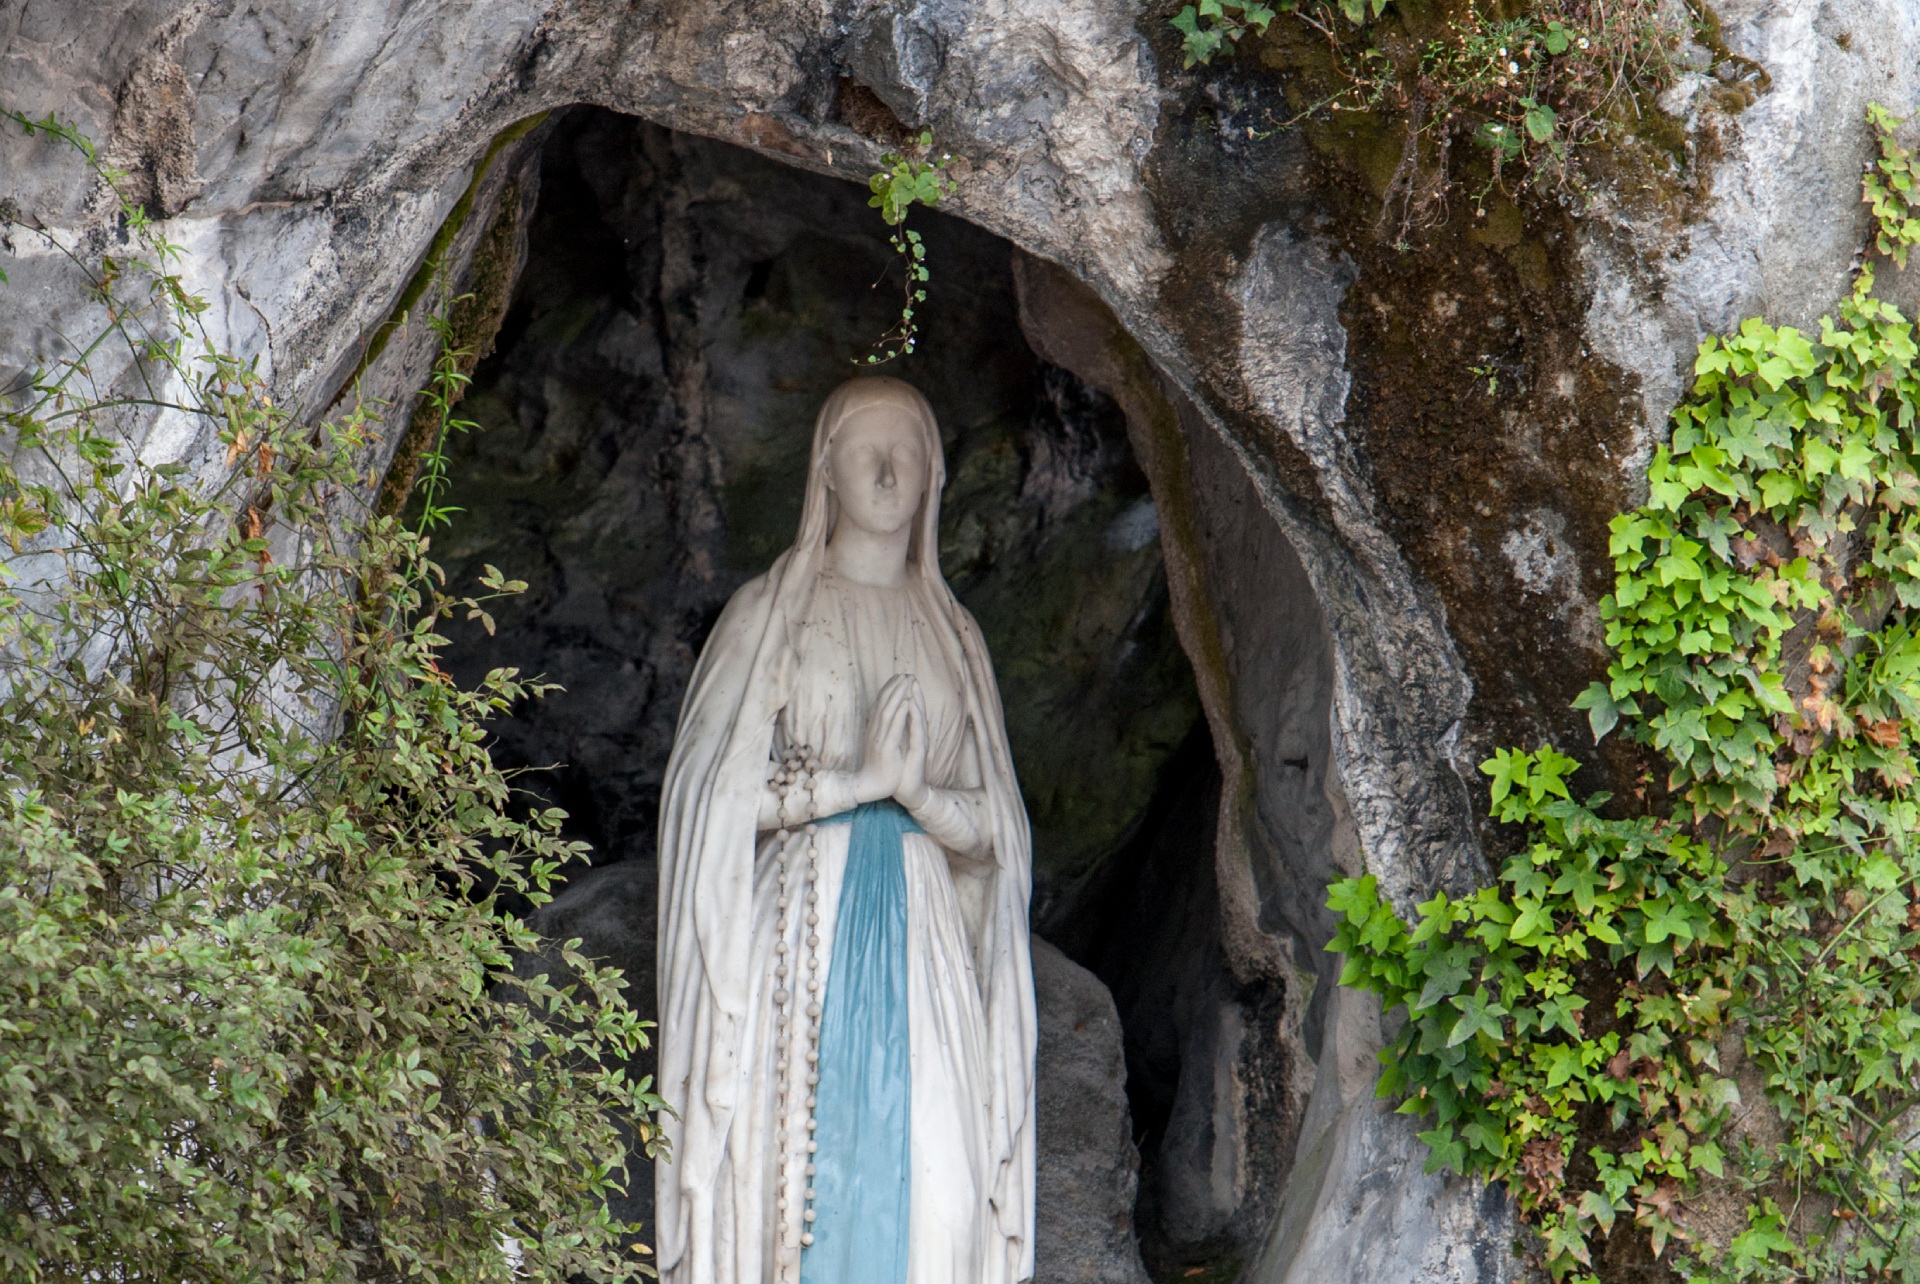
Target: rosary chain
(797, 774)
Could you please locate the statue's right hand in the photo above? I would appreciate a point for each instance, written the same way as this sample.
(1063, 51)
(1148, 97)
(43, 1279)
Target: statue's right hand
(884, 751)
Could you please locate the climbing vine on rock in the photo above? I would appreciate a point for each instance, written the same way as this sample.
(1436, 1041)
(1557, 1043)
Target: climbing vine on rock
(1691, 1020)
(1890, 189)
(901, 183)
(259, 1018)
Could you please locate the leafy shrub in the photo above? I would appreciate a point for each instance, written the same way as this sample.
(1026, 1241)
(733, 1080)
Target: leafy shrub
(252, 855)
(1667, 1011)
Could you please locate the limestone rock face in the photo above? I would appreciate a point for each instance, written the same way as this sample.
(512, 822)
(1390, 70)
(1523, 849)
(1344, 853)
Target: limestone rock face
(1380, 562)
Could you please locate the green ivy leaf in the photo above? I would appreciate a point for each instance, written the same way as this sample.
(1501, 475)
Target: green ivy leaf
(1479, 1014)
(1666, 919)
(1881, 874)
(1444, 1150)
(1505, 767)
(1765, 1237)
(1603, 711)
(1445, 975)
(1598, 1207)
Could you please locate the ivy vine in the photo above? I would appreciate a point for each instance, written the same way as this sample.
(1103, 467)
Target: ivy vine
(1686, 1024)
(1889, 189)
(903, 181)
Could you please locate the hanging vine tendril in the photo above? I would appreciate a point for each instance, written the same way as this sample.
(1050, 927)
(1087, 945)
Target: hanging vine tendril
(917, 177)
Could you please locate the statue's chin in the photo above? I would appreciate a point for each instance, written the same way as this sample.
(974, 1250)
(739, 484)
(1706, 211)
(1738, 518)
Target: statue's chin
(889, 525)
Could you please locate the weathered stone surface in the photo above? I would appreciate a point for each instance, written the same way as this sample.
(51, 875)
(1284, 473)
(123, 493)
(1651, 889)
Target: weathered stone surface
(1087, 1163)
(1441, 541)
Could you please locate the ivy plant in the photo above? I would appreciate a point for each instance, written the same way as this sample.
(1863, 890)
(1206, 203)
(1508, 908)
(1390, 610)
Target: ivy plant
(260, 1017)
(903, 181)
(1213, 25)
(1889, 189)
(1692, 1016)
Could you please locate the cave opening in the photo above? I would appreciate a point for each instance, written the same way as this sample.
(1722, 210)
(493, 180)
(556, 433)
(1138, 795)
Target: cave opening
(681, 308)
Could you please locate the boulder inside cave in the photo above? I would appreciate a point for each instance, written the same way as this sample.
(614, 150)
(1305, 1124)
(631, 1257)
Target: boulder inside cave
(681, 308)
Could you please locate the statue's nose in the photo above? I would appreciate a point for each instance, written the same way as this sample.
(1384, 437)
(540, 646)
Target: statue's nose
(886, 478)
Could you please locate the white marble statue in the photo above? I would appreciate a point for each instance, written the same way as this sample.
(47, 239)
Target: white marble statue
(846, 996)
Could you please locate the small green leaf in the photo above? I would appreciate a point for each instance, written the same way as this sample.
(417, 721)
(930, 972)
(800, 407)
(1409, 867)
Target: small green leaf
(1541, 121)
(1479, 1015)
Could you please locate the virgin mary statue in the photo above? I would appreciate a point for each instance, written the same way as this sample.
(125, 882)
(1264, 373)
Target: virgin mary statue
(846, 993)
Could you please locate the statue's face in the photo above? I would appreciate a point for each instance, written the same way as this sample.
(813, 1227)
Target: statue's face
(877, 468)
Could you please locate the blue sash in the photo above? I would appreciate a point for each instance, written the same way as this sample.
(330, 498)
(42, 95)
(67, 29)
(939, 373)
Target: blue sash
(864, 1100)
